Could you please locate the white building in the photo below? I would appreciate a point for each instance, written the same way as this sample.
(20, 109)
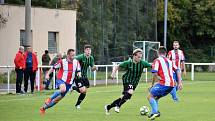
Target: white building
(52, 29)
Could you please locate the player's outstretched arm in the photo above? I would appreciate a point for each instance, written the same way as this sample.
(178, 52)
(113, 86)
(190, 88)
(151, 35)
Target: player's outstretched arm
(48, 73)
(94, 68)
(79, 74)
(116, 68)
(183, 68)
(180, 85)
(154, 78)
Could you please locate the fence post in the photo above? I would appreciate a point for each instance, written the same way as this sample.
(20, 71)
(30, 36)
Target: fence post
(192, 71)
(106, 75)
(146, 75)
(94, 82)
(8, 80)
(38, 79)
(54, 72)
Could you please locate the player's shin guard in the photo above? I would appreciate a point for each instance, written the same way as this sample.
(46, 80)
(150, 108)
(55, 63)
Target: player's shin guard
(174, 94)
(154, 105)
(80, 98)
(126, 97)
(53, 102)
(114, 103)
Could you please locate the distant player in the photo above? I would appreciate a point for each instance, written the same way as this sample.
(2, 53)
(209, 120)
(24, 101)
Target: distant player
(162, 71)
(134, 68)
(86, 60)
(177, 57)
(67, 69)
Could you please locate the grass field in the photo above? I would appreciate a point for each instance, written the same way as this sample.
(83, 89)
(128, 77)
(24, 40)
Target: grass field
(196, 104)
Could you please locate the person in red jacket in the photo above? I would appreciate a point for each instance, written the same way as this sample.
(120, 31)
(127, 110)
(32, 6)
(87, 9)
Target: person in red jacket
(31, 66)
(19, 68)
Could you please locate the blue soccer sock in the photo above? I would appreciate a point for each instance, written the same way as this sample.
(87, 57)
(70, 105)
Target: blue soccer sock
(56, 94)
(154, 105)
(173, 93)
(52, 103)
(157, 103)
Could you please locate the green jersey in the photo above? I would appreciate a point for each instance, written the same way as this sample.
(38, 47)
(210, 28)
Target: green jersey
(85, 62)
(133, 71)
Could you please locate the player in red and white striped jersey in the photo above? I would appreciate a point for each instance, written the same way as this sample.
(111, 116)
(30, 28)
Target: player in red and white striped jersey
(177, 57)
(68, 68)
(162, 70)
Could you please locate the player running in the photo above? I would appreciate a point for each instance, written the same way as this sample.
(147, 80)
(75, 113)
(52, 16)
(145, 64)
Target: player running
(134, 68)
(86, 60)
(162, 71)
(67, 69)
(177, 57)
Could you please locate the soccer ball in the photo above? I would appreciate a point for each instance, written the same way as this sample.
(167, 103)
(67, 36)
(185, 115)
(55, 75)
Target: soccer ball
(144, 110)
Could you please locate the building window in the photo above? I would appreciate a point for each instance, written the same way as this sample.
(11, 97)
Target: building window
(52, 42)
(22, 38)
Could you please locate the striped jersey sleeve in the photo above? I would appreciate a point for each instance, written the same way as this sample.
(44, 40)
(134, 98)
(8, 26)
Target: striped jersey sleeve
(58, 64)
(124, 64)
(155, 66)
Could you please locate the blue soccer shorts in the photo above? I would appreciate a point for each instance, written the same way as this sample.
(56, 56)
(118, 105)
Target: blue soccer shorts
(59, 82)
(159, 90)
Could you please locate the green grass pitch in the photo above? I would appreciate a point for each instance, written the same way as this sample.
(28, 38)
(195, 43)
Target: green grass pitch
(197, 103)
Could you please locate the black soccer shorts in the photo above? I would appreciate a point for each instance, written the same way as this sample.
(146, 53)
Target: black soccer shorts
(127, 87)
(83, 81)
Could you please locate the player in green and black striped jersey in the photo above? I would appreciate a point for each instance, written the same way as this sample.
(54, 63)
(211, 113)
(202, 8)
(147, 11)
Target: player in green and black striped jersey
(85, 60)
(134, 68)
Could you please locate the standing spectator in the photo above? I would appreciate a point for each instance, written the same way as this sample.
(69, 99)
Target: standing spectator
(19, 62)
(30, 69)
(45, 61)
(54, 61)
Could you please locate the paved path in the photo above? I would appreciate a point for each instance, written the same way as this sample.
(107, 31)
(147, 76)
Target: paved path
(3, 87)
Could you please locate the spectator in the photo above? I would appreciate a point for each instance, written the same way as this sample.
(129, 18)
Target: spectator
(19, 68)
(54, 60)
(30, 69)
(45, 61)
(64, 55)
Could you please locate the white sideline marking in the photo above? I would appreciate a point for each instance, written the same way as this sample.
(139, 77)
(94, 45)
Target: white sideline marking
(39, 97)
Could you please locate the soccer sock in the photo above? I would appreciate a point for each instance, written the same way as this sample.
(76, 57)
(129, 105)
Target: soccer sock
(80, 98)
(56, 93)
(53, 102)
(173, 93)
(114, 103)
(126, 97)
(157, 103)
(154, 105)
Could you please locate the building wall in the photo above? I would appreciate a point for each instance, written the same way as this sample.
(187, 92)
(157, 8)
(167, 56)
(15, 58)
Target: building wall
(43, 20)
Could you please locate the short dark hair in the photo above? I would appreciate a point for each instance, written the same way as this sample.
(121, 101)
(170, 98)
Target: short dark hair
(162, 50)
(87, 46)
(176, 41)
(46, 51)
(70, 50)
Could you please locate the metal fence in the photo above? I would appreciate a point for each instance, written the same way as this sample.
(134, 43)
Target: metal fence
(94, 76)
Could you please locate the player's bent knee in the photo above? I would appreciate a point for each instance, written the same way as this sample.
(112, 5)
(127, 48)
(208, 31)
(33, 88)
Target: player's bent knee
(131, 91)
(149, 96)
(63, 90)
(82, 90)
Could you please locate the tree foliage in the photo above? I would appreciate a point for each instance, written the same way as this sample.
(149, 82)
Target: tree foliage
(111, 26)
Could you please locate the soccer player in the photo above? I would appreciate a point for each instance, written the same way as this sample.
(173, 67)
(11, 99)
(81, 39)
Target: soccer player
(67, 69)
(134, 68)
(86, 60)
(162, 71)
(177, 57)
